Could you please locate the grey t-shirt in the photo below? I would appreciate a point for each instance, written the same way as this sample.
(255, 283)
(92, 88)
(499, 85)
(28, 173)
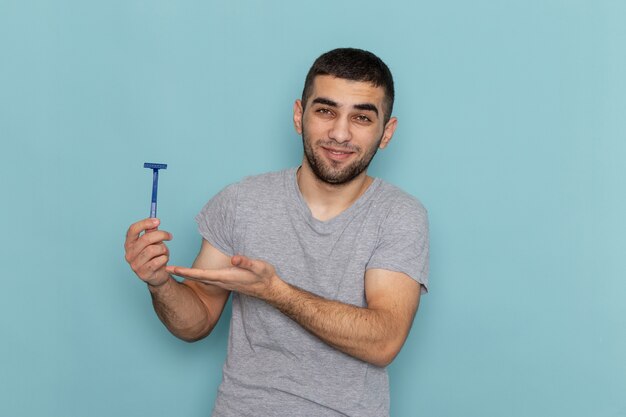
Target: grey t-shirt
(275, 367)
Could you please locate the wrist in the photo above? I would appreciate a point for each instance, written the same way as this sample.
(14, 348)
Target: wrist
(277, 289)
(158, 286)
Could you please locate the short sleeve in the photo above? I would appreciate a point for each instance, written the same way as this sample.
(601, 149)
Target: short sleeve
(216, 220)
(403, 244)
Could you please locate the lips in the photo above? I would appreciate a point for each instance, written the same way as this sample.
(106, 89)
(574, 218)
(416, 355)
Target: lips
(337, 154)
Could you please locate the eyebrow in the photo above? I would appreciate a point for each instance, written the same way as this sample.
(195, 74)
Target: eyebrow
(367, 107)
(325, 101)
(331, 103)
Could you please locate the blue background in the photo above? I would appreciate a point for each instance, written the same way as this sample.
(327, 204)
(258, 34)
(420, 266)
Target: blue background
(512, 128)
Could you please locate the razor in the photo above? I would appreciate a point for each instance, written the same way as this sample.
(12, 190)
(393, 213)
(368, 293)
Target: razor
(155, 184)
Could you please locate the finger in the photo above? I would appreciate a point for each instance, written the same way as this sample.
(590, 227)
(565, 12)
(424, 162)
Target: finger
(201, 281)
(251, 265)
(149, 253)
(135, 229)
(183, 272)
(158, 237)
(202, 275)
(151, 267)
(180, 272)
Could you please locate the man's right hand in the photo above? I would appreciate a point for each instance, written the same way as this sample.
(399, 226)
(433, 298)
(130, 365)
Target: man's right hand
(146, 253)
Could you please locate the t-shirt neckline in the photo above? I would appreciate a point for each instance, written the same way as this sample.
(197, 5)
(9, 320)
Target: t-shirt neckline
(327, 225)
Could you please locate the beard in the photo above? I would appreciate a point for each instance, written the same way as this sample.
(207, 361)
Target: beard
(332, 172)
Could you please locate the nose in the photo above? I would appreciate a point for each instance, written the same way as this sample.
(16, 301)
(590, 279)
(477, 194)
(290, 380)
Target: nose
(340, 130)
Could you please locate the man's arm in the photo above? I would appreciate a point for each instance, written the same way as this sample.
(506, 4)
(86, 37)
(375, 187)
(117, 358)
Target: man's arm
(189, 310)
(373, 334)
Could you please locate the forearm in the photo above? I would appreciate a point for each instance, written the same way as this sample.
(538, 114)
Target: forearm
(364, 333)
(180, 310)
(374, 334)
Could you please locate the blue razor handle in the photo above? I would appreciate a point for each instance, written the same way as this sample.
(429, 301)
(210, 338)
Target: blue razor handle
(155, 184)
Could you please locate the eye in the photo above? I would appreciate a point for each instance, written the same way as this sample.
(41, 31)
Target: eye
(362, 118)
(323, 111)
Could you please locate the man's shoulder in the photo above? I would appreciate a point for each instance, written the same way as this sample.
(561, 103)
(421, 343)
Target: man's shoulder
(272, 178)
(261, 186)
(396, 199)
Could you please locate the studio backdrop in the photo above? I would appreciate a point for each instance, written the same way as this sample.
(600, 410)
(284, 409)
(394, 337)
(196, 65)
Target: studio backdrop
(511, 132)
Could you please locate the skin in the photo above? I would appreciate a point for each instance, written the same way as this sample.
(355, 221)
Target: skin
(342, 127)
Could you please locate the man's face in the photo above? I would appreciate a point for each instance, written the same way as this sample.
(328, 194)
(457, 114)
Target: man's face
(342, 127)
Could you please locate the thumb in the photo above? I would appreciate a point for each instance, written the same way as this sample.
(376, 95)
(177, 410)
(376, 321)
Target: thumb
(251, 265)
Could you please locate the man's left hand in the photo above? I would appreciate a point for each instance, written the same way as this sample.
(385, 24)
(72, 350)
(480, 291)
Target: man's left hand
(247, 276)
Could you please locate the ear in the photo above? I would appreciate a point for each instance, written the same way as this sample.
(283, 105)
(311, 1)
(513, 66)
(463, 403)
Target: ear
(390, 128)
(297, 116)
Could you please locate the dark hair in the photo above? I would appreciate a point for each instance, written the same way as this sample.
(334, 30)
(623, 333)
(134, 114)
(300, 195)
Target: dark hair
(355, 65)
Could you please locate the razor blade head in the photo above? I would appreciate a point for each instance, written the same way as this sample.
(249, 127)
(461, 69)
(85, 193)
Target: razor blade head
(154, 166)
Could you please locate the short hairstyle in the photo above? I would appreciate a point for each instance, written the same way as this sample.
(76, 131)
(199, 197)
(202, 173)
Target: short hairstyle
(355, 65)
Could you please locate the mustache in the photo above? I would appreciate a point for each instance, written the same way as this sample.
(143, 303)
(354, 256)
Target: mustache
(337, 145)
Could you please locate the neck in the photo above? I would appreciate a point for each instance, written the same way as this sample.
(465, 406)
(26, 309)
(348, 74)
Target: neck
(329, 200)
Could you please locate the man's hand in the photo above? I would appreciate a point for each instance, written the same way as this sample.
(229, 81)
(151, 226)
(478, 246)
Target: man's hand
(247, 276)
(146, 253)
(374, 333)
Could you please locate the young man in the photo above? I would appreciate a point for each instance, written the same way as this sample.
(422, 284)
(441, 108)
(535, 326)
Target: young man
(325, 264)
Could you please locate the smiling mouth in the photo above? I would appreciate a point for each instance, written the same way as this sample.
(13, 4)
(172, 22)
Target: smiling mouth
(337, 154)
(337, 151)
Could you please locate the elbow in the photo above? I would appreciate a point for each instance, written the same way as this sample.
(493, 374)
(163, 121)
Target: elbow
(382, 361)
(192, 334)
(385, 354)
(189, 339)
